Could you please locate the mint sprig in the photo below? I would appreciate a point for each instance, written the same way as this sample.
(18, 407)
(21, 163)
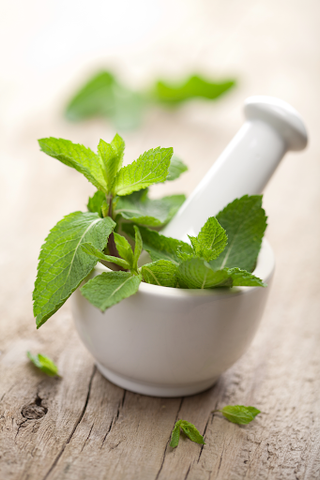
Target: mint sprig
(189, 430)
(45, 364)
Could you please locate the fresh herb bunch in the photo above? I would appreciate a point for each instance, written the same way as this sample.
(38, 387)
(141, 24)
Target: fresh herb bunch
(223, 254)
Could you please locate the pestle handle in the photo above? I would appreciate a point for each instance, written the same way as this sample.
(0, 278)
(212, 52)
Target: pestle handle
(271, 129)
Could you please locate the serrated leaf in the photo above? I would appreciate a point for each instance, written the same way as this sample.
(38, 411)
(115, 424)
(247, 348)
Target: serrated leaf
(91, 250)
(63, 265)
(211, 240)
(45, 364)
(137, 247)
(239, 414)
(110, 288)
(124, 248)
(175, 435)
(197, 273)
(244, 221)
(151, 167)
(103, 95)
(176, 168)
(158, 246)
(190, 430)
(241, 278)
(161, 272)
(98, 203)
(78, 157)
(142, 210)
(194, 86)
(111, 155)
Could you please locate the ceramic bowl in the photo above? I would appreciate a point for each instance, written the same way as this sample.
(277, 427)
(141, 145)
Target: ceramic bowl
(173, 342)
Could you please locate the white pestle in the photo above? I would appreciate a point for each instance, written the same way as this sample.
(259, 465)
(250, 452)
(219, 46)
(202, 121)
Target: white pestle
(272, 128)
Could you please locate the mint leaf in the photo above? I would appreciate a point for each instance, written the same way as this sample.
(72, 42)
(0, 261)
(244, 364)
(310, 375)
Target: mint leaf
(110, 288)
(211, 240)
(62, 262)
(194, 86)
(239, 413)
(176, 168)
(45, 364)
(197, 273)
(158, 246)
(189, 430)
(91, 250)
(137, 247)
(78, 157)
(161, 272)
(244, 221)
(124, 248)
(94, 98)
(98, 203)
(175, 435)
(111, 155)
(241, 278)
(140, 209)
(103, 95)
(151, 167)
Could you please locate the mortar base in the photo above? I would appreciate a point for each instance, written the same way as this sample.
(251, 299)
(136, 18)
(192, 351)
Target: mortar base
(153, 389)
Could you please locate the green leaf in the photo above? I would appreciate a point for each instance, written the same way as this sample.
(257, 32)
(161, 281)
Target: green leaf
(103, 95)
(175, 436)
(151, 167)
(110, 288)
(239, 414)
(98, 203)
(124, 248)
(94, 98)
(158, 246)
(244, 221)
(161, 272)
(189, 430)
(45, 364)
(177, 167)
(91, 250)
(194, 86)
(78, 157)
(137, 247)
(197, 273)
(142, 210)
(242, 278)
(211, 240)
(63, 265)
(111, 155)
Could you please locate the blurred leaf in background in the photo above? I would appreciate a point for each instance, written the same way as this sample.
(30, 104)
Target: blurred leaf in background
(103, 95)
(193, 87)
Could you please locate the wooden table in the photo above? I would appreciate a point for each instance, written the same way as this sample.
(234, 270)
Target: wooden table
(81, 426)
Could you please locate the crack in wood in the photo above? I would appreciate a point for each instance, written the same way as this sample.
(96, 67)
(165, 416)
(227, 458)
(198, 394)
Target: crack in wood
(87, 438)
(56, 460)
(114, 420)
(166, 447)
(188, 471)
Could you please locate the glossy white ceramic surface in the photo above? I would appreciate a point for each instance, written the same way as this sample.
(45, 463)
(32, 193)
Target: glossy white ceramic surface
(272, 128)
(171, 342)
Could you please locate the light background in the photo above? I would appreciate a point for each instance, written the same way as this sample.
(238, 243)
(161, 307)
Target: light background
(47, 50)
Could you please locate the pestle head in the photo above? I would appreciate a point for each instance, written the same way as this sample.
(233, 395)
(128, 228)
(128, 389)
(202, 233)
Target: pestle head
(281, 116)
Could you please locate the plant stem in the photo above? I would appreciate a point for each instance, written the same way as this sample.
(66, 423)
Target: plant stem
(111, 243)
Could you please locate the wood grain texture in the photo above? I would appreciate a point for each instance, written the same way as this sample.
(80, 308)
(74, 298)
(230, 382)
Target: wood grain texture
(81, 426)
